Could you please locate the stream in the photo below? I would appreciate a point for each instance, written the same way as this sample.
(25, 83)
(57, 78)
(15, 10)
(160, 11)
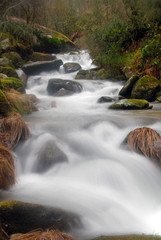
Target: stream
(114, 191)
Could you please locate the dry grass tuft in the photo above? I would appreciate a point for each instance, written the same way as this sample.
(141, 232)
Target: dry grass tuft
(143, 140)
(7, 170)
(13, 130)
(39, 234)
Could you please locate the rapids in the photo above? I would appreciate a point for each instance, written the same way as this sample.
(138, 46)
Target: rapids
(112, 190)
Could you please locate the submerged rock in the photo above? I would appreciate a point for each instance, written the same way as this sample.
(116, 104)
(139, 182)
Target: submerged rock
(59, 87)
(38, 67)
(49, 155)
(71, 67)
(145, 88)
(130, 104)
(20, 217)
(105, 99)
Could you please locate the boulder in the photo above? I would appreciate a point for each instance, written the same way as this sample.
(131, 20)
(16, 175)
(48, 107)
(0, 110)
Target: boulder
(2, 76)
(127, 88)
(145, 88)
(38, 67)
(37, 56)
(5, 107)
(71, 67)
(5, 62)
(86, 74)
(61, 87)
(7, 169)
(21, 217)
(145, 141)
(12, 83)
(20, 103)
(130, 104)
(105, 99)
(14, 58)
(9, 71)
(49, 155)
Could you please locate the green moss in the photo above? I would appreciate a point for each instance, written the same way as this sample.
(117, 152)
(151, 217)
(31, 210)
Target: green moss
(5, 107)
(9, 71)
(14, 58)
(12, 83)
(37, 56)
(130, 104)
(145, 88)
(129, 237)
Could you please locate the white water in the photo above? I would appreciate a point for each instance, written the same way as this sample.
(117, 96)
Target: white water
(113, 191)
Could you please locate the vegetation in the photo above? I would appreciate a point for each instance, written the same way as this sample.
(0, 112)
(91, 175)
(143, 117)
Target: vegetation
(129, 237)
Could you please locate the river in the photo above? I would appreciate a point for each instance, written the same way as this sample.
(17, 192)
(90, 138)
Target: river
(114, 191)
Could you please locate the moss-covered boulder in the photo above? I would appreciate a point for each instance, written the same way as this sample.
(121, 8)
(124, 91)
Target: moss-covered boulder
(145, 88)
(71, 67)
(12, 83)
(130, 104)
(86, 74)
(3, 76)
(14, 59)
(127, 88)
(9, 71)
(20, 103)
(38, 67)
(37, 56)
(5, 62)
(20, 217)
(5, 107)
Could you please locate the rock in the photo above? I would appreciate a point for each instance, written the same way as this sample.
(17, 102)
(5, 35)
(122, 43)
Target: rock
(38, 67)
(37, 56)
(20, 103)
(59, 87)
(105, 99)
(5, 62)
(49, 155)
(14, 58)
(7, 169)
(5, 44)
(9, 71)
(71, 67)
(22, 76)
(145, 141)
(130, 104)
(2, 76)
(145, 88)
(13, 131)
(127, 88)
(20, 217)
(12, 83)
(86, 74)
(5, 107)
(158, 99)
(53, 104)
(33, 98)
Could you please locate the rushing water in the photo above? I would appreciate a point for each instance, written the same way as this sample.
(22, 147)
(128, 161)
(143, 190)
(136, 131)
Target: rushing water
(113, 191)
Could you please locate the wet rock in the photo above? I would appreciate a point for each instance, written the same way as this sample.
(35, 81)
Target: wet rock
(20, 217)
(130, 104)
(38, 67)
(86, 74)
(145, 88)
(59, 87)
(71, 67)
(49, 155)
(105, 99)
(127, 88)
(37, 56)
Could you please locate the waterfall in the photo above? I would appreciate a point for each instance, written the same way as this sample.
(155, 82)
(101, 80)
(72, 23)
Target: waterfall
(114, 191)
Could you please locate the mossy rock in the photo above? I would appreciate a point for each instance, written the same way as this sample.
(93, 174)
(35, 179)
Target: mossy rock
(130, 104)
(5, 107)
(20, 217)
(37, 56)
(12, 83)
(127, 88)
(129, 237)
(145, 88)
(86, 74)
(5, 62)
(20, 103)
(24, 51)
(9, 71)
(3, 76)
(103, 74)
(14, 58)
(70, 67)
